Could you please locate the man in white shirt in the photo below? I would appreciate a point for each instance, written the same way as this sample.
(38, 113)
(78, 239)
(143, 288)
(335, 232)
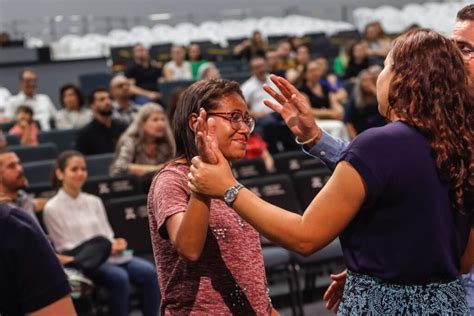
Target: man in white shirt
(124, 108)
(43, 108)
(252, 89)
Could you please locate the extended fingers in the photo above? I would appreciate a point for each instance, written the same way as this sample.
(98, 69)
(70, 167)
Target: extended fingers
(275, 107)
(281, 99)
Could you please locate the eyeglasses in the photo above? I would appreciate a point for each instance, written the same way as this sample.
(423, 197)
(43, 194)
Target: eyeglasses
(236, 119)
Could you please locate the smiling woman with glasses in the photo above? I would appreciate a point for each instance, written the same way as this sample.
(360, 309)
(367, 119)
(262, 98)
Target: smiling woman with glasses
(208, 259)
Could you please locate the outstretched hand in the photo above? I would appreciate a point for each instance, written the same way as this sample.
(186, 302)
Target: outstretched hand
(293, 107)
(206, 141)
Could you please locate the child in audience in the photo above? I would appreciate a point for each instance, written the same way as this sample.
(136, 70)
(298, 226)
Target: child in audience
(72, 217)
(25, 127)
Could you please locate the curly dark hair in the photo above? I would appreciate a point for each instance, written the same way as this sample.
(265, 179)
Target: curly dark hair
(430, 91)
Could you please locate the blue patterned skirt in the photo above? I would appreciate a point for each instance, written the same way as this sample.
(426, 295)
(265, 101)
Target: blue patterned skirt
(365, 295)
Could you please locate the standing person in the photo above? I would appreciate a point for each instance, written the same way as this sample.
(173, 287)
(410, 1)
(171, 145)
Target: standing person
(146, 144)
(41, 104)
(400, 194)
(33, 281)
(209, 260)
(101, 135)
(74, 114)
(73, 217)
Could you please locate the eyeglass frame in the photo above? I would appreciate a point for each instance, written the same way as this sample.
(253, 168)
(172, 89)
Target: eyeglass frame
(228, 116)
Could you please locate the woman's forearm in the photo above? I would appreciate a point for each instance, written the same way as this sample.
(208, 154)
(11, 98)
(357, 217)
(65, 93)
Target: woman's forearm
(192, 231)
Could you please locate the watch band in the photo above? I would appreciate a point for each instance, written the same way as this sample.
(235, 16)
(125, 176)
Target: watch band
(231, 194)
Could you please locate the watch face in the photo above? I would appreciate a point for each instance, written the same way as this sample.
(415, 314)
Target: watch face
(229, 196)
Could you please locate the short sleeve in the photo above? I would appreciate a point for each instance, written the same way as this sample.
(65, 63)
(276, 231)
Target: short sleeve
(366, 154)
(39, 277)
(171, 196)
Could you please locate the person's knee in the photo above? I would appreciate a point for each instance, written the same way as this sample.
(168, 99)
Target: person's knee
(120, 278)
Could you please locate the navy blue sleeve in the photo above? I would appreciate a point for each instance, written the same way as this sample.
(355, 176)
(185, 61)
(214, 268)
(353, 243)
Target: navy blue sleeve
(39, 277)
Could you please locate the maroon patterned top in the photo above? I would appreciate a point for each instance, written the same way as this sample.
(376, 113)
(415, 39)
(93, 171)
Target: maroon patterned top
(229, 278)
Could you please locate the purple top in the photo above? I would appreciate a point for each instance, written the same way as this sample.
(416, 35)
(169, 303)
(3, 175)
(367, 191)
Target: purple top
(406, 231)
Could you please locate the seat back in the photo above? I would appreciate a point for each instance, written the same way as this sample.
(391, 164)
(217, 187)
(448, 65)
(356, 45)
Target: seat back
(46, 151)
(99, 165)
(107, 187)
(91, 81)
(64, 139)
(308, 183)
(277, 190)
(248, 168)
(129, 219)
(289, 162)
(166, 89)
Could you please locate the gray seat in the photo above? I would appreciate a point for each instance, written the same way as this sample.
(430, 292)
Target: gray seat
(64, 139)
(99, 165)
(46, 151)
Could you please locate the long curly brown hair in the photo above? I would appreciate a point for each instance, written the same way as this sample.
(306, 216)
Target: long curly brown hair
(430, 91)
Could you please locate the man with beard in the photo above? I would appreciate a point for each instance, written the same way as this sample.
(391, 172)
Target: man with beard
(100, 136)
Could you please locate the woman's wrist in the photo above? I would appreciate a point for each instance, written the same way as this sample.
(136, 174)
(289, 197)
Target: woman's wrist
(311, 140)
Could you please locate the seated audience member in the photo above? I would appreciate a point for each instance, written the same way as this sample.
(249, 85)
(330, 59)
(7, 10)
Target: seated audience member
(195, 59)
(268, 123)
(274, 63)
(358, 60)
(124, 108)
(250, 48)
(330, 80)
(303, 57)
(258, 148)
(25, 127)
(4, 96)
(341, 62)
(146, 144)
(284, 51)
(379, 43)
(42, 106)
(74, 114)
(208, 71)
(101, 135)
(177, 68)
(73, 217)
(362, 108)
(323, 102)
(144, 74)
(252, 89)
(33, 281)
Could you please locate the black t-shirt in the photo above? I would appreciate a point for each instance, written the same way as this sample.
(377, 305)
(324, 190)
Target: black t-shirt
(145, 78)
(31, 276)
(96, 138)
(317, 102)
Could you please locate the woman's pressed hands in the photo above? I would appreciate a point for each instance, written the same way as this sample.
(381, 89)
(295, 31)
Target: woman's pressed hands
(293, 107)
(211, 179)
(206, 137)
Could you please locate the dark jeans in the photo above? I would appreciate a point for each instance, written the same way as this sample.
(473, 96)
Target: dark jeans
(117, 279)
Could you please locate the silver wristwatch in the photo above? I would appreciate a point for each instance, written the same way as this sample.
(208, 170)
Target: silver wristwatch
(231, 194)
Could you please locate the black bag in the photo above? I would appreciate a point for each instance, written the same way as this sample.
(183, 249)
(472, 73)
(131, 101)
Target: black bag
(89, 255)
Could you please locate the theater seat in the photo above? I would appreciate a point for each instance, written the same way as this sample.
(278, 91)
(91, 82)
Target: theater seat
(99, 165)
(64, 139)
(91, 81)
(46, 151)
(308, 183)
(293, 161)
(248, 168)
(277, 189)
(107, 187)
(128, 217)
(166, 89)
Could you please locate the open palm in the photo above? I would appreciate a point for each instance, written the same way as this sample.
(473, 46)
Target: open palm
(293, 107)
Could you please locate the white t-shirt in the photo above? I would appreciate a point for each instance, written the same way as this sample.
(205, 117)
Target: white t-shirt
(254, 94)
(183, 72)
(42, 106)
(71, 221)
(4, 96)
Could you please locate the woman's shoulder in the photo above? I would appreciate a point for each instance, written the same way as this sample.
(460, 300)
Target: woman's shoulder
(173, 169)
